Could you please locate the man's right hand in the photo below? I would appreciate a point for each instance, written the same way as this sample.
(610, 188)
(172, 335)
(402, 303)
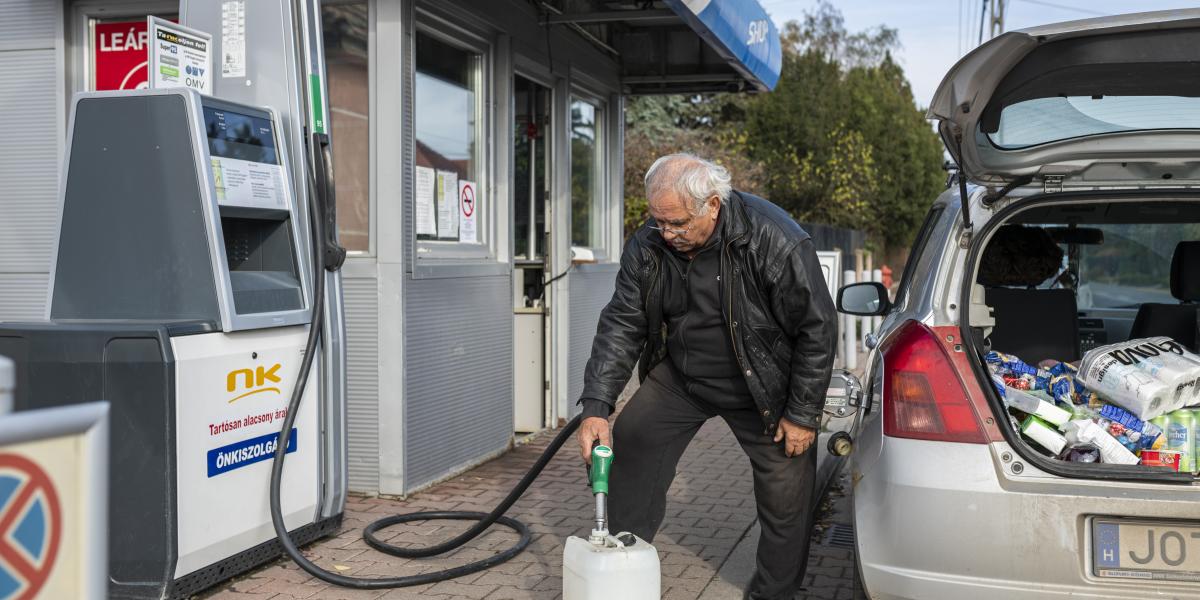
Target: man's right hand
(590, 430)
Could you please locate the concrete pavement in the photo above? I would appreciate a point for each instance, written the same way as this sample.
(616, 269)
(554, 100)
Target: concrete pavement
(706, 543)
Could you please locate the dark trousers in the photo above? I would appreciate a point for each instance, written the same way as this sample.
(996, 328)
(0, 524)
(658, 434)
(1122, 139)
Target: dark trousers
(650, 436)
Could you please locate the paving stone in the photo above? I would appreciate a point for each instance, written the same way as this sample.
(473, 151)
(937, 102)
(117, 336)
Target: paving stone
(710, 508)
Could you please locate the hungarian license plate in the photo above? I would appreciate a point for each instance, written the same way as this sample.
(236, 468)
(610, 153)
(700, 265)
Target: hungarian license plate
(1137, 549)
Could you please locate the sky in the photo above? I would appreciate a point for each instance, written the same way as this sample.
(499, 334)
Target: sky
(930, 33)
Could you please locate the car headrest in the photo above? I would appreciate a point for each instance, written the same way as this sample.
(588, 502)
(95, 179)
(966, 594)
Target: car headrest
(1019, 256)
(1185, 272)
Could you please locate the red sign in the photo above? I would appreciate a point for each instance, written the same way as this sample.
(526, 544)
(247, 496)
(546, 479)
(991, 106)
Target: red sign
(120, 55)
(30, 525)
(468, 200)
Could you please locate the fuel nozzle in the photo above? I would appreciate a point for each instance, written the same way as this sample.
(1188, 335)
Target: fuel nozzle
(602, 457)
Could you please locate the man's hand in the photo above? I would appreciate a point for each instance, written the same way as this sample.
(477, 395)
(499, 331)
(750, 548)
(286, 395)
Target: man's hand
(796, 438)
(590, 430)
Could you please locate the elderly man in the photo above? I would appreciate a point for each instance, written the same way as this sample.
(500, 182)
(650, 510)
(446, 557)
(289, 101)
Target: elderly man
(721, 297)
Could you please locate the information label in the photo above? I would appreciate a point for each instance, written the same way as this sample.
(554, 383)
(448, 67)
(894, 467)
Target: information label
(447, 190)
(179, 56)
(247, 183)
(233, 38)
(426, 184)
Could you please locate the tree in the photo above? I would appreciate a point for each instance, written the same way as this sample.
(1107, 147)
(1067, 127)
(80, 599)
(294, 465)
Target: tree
(839, 141)
(701, 124)
(842, 97)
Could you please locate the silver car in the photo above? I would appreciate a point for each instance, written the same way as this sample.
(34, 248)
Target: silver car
(1079, 153)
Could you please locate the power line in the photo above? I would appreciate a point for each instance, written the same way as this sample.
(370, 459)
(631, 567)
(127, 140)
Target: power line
(1066, 7)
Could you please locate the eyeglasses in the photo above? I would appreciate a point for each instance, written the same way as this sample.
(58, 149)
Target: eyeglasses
(675, 230)
(671, 230)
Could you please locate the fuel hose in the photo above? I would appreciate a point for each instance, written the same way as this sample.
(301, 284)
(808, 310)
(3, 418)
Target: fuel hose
(485, 520)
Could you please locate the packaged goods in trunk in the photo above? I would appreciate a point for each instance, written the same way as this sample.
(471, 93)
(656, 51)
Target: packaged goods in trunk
(1085, 431)
(1149, 434)
(1053, 408)
(1181, 438)
(1080, 453)
(1032, 405)
(1149, 377)
(1044, 434)
(1161, 458)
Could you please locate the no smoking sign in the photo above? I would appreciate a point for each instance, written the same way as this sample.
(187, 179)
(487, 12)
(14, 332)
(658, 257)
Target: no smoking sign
(468, 200)
(468, 205)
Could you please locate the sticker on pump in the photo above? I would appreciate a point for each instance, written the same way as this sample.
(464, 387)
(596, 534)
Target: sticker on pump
(247, 183)
(246, 452)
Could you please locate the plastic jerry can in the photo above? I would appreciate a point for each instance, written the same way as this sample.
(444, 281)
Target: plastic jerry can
(623, 567)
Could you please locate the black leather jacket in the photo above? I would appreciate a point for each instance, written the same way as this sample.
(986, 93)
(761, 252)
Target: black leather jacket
(778, 309)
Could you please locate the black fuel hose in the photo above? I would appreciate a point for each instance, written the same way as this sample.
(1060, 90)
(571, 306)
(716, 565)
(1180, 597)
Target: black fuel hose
(485, 519)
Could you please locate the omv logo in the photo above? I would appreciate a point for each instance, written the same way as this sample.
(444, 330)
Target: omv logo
(190, 70)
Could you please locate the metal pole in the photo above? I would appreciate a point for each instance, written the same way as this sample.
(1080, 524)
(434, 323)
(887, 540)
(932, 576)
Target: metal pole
(849, 335)
(601, 512)
(982, 15)
(533, 233)
(8, 385)
(877, 321)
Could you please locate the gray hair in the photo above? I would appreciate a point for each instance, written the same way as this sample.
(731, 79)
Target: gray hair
(689, 176)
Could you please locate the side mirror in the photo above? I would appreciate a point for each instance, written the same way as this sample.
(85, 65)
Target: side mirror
(867, 299)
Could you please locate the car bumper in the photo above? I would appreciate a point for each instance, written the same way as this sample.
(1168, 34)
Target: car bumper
(938, 520)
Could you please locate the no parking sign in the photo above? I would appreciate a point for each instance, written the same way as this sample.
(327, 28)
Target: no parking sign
(54, 503)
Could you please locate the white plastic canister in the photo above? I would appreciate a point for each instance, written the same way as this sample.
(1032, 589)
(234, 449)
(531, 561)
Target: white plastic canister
(614, 570)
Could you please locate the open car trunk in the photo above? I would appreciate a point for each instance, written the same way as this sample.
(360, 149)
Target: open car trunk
(1083, 321)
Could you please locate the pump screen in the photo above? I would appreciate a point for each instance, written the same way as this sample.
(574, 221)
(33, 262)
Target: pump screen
(245, 159)
(235, 135)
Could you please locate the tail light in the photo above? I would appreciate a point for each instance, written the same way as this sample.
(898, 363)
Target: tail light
(923, 396)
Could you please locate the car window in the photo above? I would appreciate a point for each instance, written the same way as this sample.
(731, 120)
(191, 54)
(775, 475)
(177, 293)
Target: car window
(918, 248)
(1044, 120)
(1132, 266)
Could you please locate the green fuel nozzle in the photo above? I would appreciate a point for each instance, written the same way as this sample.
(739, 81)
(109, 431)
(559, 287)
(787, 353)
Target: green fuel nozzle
(602, 457)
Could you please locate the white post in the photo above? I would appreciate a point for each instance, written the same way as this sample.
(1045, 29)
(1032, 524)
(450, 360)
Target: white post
(876, 276)
(8, 385)
(849, 335)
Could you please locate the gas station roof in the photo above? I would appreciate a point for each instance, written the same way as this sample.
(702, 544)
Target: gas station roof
(679, 46)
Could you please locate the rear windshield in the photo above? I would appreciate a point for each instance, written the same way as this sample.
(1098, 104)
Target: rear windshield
(1044, 120)
(1132, 265)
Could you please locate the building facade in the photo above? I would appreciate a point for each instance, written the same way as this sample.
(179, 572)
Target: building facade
(478, 162)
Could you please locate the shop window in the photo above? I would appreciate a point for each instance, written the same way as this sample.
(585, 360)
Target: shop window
(587, 175)
(347, 65)
(448, 117)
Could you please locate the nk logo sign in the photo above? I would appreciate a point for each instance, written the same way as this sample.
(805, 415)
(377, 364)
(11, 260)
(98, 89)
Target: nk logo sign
(251, 382)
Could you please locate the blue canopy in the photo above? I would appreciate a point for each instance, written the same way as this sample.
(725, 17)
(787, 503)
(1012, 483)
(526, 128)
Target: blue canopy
(741, 32)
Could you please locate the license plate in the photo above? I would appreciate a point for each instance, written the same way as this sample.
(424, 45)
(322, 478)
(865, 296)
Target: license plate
(1133, 549)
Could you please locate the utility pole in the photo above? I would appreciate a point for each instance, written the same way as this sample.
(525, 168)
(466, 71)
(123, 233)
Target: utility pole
(997, 18)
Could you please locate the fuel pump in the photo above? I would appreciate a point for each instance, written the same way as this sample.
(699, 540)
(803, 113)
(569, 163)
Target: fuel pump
(178, 295)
